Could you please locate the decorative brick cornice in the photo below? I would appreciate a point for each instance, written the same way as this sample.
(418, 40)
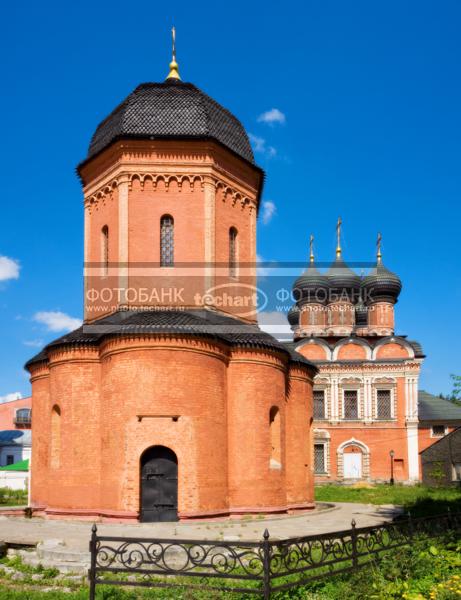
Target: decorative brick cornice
(159, 341)
(68, 354)
(185, 181)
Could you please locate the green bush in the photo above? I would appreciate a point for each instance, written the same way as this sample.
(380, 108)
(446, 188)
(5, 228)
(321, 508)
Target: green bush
(12, 497)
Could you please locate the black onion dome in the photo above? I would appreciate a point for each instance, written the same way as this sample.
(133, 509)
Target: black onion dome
(293, 315)
(381, 284)
(171, 110)
(311, 286)
(343, 280)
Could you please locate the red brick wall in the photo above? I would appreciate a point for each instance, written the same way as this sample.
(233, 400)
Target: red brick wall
(117, 402)
(313, 351)
(352, 351)
(206, 191)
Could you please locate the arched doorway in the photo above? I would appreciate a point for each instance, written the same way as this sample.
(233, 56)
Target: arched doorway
(159, 485)
(353, 460)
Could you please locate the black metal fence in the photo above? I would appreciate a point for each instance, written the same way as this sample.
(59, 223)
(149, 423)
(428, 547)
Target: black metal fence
(259, 568)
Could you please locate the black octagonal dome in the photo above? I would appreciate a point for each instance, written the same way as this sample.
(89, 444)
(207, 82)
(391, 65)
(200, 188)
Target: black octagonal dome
(172, 110)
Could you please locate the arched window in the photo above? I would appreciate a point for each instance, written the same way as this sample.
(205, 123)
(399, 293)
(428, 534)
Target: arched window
(233, 252)
(105, 250)
(167, 241)
(275, 437)
(55, 449)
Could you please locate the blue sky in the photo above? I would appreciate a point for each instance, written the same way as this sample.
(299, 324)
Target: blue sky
(370, 94)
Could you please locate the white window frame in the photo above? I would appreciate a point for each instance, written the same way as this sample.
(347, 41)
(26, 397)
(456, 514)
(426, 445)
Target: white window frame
(325, 402)
(325, 444)
(445, 431)
(352, 388)
(391, 388)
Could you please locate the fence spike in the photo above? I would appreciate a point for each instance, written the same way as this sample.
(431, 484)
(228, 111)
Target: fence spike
(353, 523)
(94, 529)
(266, 534)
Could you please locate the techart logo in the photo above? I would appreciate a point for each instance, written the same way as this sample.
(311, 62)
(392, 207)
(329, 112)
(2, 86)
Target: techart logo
(241, 299)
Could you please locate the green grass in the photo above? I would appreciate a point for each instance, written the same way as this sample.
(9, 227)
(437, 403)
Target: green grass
(420, 500)
(12, 497)
(428, 569)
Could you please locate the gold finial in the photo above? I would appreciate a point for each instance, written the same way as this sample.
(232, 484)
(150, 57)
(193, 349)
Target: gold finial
(174, 67)
(338, 238)
(378, 249)
(311, 248)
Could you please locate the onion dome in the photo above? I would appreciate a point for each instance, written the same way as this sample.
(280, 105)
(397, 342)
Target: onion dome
(344, 282)
(293, 315)
(381, 284)
(172, 110)
(311, 286)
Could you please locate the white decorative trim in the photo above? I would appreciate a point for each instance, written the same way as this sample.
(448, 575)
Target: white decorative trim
(322, 437)
(366, 470)
(413, 456)
(384, 386)
(445, 431)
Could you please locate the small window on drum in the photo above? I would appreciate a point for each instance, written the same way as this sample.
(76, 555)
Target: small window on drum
(105, 251)
(233, 252)
(167, 241)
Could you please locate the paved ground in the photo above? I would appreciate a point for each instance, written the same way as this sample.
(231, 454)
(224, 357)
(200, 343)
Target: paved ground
(76, 534)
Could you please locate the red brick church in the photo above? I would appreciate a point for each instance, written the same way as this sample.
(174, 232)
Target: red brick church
(366, 388)
(169, 401)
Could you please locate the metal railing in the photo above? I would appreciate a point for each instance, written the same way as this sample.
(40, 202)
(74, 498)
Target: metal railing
(250, 567)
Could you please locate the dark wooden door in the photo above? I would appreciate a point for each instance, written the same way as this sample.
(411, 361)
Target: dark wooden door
(159, 485)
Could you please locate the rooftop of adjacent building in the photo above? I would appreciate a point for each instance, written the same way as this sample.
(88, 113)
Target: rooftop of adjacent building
(435, 408)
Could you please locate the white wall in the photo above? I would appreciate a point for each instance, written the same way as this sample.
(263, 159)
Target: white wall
(14, 480)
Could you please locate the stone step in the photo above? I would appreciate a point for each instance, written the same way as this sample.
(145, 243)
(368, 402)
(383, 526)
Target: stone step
(62, 555)
(79, 565)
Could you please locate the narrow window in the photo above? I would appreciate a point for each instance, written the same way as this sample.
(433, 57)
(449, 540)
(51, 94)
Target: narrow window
(55, 454)
(10, 459)
(166, 241)
(319, 459)
(351, 405)
(319, 404)
(438, 430)
(275, 433)
(383, 405)
(232, 252)
(105, 250)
